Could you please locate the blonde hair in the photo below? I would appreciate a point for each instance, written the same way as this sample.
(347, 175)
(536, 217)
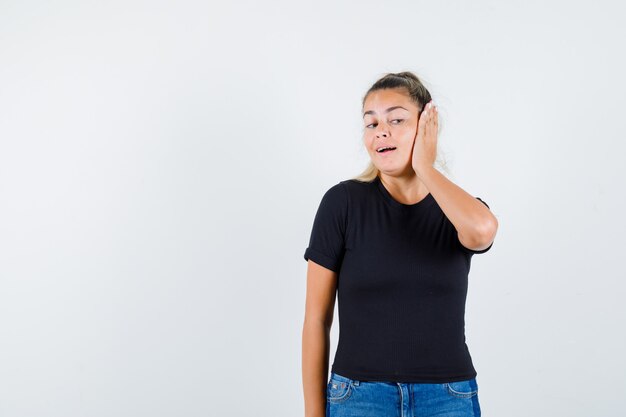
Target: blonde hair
(418, 93)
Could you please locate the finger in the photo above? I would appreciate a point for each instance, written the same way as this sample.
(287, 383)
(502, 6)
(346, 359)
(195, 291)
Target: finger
(434, 113)
(423, 118)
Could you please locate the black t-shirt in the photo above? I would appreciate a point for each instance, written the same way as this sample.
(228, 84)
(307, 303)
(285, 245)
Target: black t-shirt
(402, 285)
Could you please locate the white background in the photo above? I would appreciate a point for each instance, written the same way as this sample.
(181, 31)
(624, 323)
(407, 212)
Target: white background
(161, 164)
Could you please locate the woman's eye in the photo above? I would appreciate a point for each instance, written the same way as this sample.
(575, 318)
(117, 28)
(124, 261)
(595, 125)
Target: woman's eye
(394, 120)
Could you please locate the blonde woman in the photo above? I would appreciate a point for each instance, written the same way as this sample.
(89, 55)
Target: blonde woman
(395, 246)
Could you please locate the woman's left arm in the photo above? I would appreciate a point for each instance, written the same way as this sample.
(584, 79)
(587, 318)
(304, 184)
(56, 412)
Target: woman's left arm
(476, 226)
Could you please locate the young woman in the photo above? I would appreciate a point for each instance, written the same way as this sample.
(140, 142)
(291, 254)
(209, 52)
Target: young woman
(395, 244)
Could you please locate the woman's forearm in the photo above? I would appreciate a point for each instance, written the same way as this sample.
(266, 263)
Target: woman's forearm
(471, 218)
(315, 354)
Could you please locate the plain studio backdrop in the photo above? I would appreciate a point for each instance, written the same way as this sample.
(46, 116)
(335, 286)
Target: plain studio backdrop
(161, 164)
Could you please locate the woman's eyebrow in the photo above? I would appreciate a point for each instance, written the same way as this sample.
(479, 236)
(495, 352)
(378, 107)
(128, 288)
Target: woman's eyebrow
(386, 111)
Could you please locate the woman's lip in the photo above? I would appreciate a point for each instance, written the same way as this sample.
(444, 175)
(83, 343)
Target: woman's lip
(386, 152)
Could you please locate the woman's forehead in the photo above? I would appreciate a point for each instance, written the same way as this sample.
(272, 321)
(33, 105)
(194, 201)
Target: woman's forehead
(384, 101)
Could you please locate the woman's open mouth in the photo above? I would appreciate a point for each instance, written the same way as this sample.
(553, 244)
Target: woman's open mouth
(385, 150)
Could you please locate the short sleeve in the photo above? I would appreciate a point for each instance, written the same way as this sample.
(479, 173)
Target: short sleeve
(481, 200)
(327, 240)
(475, 252)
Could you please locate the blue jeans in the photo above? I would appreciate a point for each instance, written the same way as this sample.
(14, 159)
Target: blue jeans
(347, 397)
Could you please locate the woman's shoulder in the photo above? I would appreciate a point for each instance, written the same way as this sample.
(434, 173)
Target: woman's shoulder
(349, 186)
(356, 191)
(347, 191)
(355, 184)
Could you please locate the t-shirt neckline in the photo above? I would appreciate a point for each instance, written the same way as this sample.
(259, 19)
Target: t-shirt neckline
(424, 202)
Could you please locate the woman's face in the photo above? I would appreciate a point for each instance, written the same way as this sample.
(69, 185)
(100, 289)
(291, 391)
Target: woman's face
(390, 119)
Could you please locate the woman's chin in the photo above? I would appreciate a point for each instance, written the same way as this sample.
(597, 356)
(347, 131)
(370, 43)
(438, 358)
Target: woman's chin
(394, 169)
(390, 169)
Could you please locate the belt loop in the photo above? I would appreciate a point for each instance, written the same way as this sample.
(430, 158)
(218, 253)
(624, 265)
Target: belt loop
(355, 382)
